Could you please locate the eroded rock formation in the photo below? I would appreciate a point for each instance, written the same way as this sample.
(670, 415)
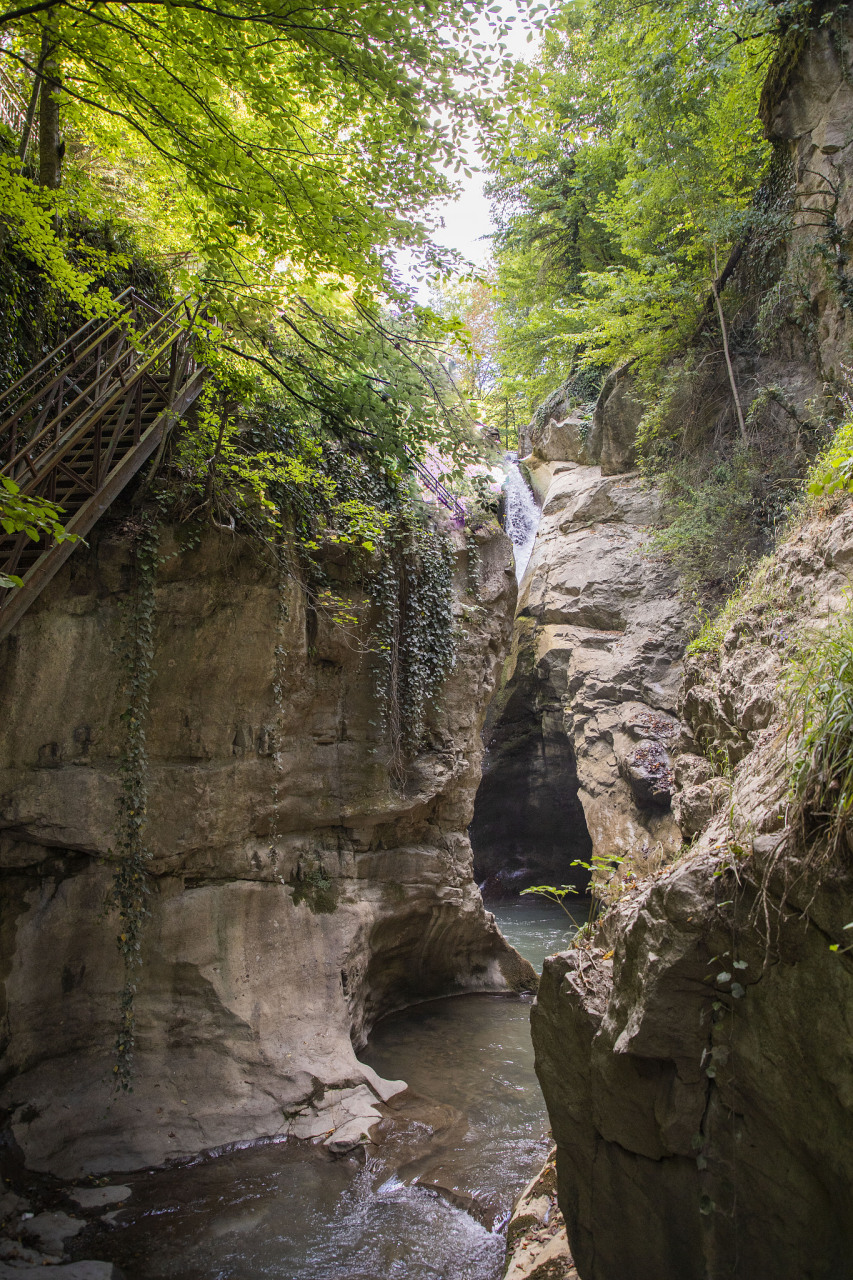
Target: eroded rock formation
(694, 1054)
(581, 733)
(695, 1060)
(296, 894)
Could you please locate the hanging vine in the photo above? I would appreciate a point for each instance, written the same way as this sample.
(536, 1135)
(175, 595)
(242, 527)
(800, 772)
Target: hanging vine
(130, 888)
(278, 685)
(414, 640)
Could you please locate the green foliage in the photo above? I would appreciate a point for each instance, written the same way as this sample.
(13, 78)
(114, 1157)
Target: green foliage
(832, 471)
(626, 183)
(32, 516)
(414, 642)
(557, 894)
(721, 518)
(130, 888)
(273, 159)
(265, 147)
(28, 217)
(760, 586)
(820, 706)
(760, 589)
(603, 870)
(312, 886)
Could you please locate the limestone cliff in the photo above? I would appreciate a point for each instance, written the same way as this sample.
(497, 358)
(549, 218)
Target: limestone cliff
(297, 894)
(581, 732)
(695, 1059)
(694, 1054)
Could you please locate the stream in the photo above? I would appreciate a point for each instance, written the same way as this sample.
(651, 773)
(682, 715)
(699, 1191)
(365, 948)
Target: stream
(468, 1135)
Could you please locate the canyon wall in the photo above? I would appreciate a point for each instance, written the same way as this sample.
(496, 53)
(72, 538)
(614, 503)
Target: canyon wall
(296, 894)
(694, 1054)
(695, 1058)
(583, 725)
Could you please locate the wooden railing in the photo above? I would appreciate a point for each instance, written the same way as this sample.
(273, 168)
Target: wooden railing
(79, 425)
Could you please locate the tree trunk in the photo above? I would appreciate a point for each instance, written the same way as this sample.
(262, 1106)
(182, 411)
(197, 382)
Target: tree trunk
(31, 109)
(724, 332)
(725, 348)
(50, 146)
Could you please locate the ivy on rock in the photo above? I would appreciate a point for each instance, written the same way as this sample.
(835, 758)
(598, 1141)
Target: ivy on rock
(130, 888)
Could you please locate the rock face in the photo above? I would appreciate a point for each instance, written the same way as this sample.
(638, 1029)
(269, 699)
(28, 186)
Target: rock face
(807, 110)
(615, 421)
(694, 1054)
(695, 1060)
(536, 1244)
(296, 895)
(580, 735)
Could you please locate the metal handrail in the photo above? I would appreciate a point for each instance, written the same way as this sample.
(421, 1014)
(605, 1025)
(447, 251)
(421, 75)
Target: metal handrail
(432, 482)
(116, 327)
(57, 351)
(82, 426)
(13, 108)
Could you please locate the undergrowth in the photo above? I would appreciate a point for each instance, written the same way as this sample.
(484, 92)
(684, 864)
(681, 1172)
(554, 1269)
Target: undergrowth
(828, 478)
(820, 709)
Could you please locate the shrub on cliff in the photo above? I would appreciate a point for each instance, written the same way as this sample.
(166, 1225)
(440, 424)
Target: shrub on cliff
(821, 709)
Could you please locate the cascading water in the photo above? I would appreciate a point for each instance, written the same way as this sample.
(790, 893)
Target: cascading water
(522, 514)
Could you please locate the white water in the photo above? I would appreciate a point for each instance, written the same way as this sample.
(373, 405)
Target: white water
(522, 514)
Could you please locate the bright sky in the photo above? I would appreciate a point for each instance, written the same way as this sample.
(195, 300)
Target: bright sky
(468, 221)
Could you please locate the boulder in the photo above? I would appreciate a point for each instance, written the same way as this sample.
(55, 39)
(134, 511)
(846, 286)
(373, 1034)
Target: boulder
(98, 1197)
(51, 1230)
(648, 769)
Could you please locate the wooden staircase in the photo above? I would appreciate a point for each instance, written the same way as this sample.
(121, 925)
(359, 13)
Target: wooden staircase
(79, 425)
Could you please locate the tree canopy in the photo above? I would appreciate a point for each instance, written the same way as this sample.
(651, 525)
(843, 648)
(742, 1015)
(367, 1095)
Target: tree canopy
(627, 182)
(272, 156)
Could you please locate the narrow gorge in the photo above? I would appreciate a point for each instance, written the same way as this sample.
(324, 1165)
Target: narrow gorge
(426, 751)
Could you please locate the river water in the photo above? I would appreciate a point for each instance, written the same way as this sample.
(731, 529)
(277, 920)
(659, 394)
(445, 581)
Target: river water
(471, 1132)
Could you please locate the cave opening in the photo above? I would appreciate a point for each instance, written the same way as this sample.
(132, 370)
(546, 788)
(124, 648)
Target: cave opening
(529, 825)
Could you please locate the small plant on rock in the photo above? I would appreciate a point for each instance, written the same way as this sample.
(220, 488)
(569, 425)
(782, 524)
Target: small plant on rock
(820, 703)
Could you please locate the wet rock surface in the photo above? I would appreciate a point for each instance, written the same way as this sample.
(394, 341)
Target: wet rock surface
(40, 1242)
(85, 1270)
(296, 895)
(536, 1243)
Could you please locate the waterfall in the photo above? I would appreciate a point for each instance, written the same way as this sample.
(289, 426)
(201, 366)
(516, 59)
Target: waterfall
(522, 514)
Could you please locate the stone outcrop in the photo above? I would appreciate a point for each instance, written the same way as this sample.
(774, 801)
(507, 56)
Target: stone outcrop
(613, 433)
(581, 735)
(558, 430)
(562, 430)
(536, 1243)
(807, 110)
(296, 895)
(695, 1057)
